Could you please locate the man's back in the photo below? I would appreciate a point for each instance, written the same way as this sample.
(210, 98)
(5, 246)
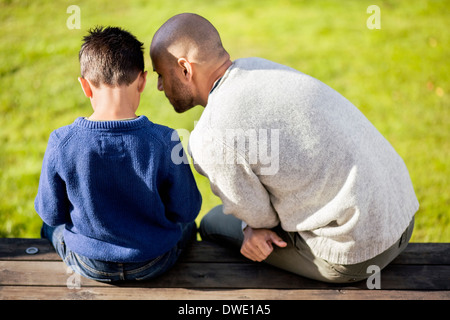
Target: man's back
(331, 176)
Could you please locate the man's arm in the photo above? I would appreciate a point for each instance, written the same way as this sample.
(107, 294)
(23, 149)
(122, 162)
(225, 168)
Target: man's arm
(242, 194)
(239, 188)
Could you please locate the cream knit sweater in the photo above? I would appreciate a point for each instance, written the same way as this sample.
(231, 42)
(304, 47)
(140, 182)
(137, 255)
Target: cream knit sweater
(279, 146)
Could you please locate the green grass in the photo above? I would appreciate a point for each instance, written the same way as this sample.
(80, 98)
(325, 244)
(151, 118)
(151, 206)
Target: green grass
(398, 76)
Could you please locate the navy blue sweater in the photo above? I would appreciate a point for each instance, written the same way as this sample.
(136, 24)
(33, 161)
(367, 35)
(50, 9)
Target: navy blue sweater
(115, 187)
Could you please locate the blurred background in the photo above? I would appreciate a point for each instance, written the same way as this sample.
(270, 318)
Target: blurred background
(398, 76)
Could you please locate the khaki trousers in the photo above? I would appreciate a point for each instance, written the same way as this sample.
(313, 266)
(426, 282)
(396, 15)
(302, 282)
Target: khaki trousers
(297, 257)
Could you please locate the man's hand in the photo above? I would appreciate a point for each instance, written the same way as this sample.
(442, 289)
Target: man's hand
(257, 245)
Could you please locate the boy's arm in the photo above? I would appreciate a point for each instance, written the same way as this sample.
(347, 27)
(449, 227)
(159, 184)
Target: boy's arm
(183, 199)
(51, 202)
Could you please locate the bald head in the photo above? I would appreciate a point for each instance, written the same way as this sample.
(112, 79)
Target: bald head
(188, 56)
(188, 35)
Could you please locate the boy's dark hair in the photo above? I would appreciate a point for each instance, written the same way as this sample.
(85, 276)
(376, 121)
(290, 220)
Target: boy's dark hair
(111, 56)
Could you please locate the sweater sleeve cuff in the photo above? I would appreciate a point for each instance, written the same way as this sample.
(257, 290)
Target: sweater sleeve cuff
(244, 225)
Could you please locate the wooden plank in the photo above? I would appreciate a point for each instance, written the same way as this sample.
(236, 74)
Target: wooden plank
(41, 273)
(415, 253)
(256, 276)
(203, 251)
(116, 293)
(210, 271)
(425, 253)
(15, 249)
(229, 275)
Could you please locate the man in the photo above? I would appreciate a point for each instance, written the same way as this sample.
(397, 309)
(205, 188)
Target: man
(332, 198)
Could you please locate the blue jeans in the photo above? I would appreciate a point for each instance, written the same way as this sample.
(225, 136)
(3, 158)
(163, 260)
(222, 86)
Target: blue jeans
(113, 271)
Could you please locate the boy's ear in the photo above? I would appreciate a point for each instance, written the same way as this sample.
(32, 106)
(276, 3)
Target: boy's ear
(186, 68)
(142, 81)
(86, 86)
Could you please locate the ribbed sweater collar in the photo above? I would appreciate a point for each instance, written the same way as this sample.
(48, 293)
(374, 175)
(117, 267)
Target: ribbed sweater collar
(114, 124)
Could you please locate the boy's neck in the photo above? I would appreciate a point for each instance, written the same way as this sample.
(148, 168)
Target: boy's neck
(108, 116)
(114, 104)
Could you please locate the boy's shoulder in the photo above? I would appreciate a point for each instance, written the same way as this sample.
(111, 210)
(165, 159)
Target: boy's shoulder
(163, 133)
(61, 134)
(161, 129)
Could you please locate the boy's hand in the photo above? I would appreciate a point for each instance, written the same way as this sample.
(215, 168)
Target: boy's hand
(257, 245)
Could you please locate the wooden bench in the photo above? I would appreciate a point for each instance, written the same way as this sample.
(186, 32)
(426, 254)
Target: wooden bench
(208, 271)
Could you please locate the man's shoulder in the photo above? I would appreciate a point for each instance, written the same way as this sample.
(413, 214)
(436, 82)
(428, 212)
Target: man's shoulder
(257, 63)
(249, 76)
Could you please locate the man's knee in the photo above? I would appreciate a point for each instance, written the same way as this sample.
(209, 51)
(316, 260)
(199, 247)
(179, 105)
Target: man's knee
(209, 220)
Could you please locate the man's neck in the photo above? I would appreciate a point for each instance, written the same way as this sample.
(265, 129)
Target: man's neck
(216, 75)
(212, 78)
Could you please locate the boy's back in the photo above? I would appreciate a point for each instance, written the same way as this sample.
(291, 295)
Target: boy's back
(112, 184)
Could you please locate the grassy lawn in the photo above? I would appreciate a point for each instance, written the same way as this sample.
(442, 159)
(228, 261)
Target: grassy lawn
(398, 76)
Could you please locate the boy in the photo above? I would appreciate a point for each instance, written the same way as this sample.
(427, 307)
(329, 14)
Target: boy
(114, 204)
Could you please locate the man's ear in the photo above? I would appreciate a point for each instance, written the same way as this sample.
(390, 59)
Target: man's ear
(86, 86)
(142, 81)
(186, 68)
